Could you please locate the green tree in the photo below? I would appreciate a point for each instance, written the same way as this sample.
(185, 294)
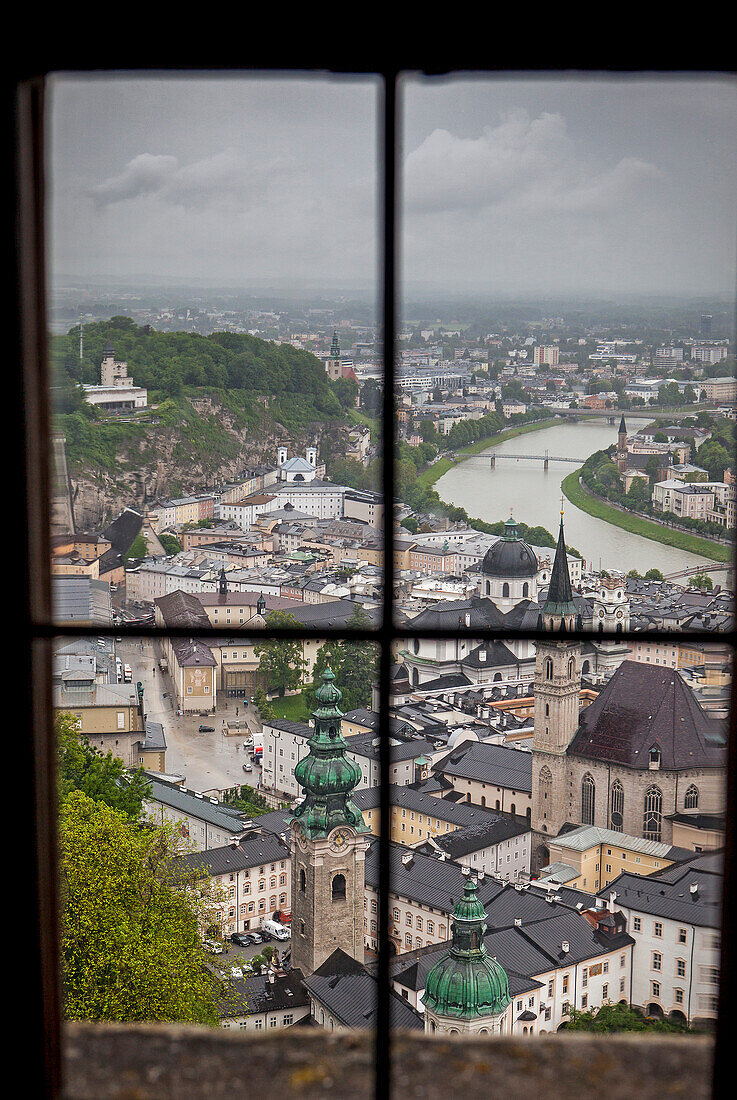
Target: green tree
(130, 943)
(82, 767)
(171, 544)
(410, 524)
(703, 582)
(280, 660)
(654, 575)
(714, 457)
(620, 1017)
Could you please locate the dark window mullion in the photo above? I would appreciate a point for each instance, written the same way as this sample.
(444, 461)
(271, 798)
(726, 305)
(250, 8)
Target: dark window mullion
(388, 160)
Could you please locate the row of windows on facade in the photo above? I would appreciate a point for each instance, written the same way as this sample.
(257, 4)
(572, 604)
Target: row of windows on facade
(708, 975)
(707, 1002)
(653, 803)
(711, 940)
(251, 906)
(261, 884)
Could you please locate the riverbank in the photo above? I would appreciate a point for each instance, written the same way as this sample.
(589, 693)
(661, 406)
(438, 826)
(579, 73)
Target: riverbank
(431, 474)
(581, 498)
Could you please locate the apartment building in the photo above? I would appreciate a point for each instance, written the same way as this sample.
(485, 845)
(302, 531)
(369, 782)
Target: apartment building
(253, 875)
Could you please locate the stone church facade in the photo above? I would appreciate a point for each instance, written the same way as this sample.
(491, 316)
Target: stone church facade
(643, 751)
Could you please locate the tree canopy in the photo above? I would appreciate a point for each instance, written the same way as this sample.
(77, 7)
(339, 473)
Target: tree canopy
(130, 943)
(104, 778)
(280, 659)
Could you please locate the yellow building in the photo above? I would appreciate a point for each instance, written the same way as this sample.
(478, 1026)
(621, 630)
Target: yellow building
(594, 856)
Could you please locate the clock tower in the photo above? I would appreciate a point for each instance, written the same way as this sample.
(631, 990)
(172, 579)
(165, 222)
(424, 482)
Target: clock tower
(329, 841)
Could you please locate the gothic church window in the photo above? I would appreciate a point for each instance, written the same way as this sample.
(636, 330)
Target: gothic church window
(588, 796)
(691, 801)
(616, 813)
(653, 815)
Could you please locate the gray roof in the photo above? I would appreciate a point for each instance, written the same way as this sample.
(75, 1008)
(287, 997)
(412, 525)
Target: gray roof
(499, 765)
(214, 813)
(667, 893)
(255, 994)
(350, 994)
(253, 850)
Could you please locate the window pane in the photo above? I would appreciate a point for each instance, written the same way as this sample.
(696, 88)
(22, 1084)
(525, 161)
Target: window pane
(263, 839)
(215, 366)
(545, 816)
(557, 349)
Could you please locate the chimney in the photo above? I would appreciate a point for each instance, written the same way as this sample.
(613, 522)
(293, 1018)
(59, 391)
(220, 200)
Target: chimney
(694, 888)
(565, 947)
(610, 903)
(518, 922)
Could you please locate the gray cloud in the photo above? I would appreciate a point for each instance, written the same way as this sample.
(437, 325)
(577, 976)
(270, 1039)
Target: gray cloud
(523, 163)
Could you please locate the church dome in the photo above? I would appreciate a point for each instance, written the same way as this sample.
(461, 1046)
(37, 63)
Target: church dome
(467, 983)
(510, 556)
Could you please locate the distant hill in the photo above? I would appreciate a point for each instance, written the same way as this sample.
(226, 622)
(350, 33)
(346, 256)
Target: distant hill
(218, 405)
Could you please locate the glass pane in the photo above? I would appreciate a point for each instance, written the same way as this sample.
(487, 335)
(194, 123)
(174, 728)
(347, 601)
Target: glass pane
(557, 840)
(213, 340)
(254, 832)
(557, 348)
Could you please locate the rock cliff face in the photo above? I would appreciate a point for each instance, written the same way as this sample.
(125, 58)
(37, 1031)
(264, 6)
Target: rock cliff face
(165, 461)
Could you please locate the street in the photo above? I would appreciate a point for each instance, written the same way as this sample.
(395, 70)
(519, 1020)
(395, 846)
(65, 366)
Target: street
(209, 761)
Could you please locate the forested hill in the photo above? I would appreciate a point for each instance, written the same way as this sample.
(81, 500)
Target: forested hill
(217, 404)
(166, 362)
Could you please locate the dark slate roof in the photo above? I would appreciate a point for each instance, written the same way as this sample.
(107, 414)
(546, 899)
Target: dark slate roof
(498, 764)
(481, 834)
(645, 705)
(253, 850)
(667, 893)
(489, 654)
(181, 798)
(510, 558)
(462, 814)
(297, 729)
(350, 994)
(482, 612)
(275, 821)
(426, 879)
(366, 744)
(333, 613)
(255, 994)
(122, 531)
(181, 609)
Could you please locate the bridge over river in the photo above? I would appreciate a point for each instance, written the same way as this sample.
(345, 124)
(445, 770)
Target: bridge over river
(489, 459)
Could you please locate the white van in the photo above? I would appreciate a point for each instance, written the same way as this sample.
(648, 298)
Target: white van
(278, 931)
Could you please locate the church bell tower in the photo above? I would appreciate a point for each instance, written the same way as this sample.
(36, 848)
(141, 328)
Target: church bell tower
(557, 702)
(329, 842)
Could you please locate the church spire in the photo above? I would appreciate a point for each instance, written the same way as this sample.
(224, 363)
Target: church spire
(558, 610)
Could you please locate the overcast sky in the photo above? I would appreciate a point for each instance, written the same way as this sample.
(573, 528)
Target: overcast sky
(522, 186)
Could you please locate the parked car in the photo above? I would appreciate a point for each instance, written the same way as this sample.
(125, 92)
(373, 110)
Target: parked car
(248, 767)
(206, 729)
(243, 939)
(266, 936)
(214, 947)
(256, 937)
(248, 743)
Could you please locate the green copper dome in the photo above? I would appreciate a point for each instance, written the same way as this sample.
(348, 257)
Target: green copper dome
(326, 774)
(467, 983)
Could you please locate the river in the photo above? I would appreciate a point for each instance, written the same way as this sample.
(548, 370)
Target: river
(534, 496)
